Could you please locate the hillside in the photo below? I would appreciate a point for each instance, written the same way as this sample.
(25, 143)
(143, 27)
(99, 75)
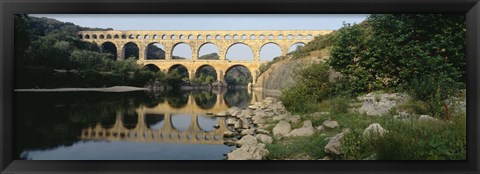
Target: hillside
(280, 74)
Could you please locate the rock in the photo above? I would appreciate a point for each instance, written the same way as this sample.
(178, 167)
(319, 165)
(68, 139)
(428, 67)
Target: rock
(334, 145)
(229, 133)
(237, 125)
(320, 128)
(282, 128)
(306, 130)
(401, 115)
(216, 126)
(247, 132)
(319, 114)
(260, 113)
(247, 140)
(279, 117)
(326, 158)
(248, 152)
(293, 119)
(380, 104)
(234, 110)
(375, 129)
(229, 143)
(330, 124)
(264, 138)
(258, 120)
(222, 114)
(255, 106)
(231, 121)
(426, 118)
(262, 131)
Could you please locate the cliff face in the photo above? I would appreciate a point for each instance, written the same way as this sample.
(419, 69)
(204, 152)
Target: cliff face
(282, 74)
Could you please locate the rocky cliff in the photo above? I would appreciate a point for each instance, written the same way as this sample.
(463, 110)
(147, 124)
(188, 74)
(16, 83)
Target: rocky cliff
(282, 74)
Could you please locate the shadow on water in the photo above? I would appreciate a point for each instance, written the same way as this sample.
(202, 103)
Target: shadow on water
(49, 122)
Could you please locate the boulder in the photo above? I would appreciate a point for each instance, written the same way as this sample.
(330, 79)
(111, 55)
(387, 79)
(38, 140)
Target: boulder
(229, 133)
(380, 104)
(247, 140)
(231, 121)
(330, 124)
(247, 132)
(222, 114)
(260, 113)
(233, 110)
(248, 152)
(279, 117)
(334, 145)
(262, 131)
(426, 118)
(374, 129)
(293, 119)
(282, 128)
(305, 130)
(264, 138)
(320, 128)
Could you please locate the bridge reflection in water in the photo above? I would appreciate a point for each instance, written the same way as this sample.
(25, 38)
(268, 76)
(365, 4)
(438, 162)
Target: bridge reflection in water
(143, 132)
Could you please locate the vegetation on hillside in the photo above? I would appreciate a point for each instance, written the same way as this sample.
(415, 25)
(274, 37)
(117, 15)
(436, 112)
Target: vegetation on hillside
(422, 55)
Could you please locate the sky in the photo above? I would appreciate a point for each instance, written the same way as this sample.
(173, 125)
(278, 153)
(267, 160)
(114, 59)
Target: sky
(213, 22)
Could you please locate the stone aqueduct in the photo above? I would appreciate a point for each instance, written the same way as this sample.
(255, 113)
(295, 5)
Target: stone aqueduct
(254, 39)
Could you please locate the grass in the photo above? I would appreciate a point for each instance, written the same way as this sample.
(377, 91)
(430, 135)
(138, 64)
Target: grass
(406, 140)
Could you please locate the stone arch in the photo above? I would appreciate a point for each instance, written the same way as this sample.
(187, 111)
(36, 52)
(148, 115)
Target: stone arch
(270, 50)
(139, 36)
(227, 37)
(146, 36)
(209, 37)
(130, 120)
(289, 37)
(182, 70)
(155, 51)
(116, 36)
(204, 69)
(309, 36)
(152, 67)
(102, 36)
(155, 36)
(213, 48)
(233, 54)
(280, 37)
(109, 47)
(181, 37)
(235, 37)
(87, 36)
(164, 37)
(271, 37)
(94, 36)
(185, 51)
(295, 46)
(218, 37)
(190, 37)
(199, 37)
(207, 122)
(80, 36)
(131, 36)
(244, 37)
(242, 70)
(109, 36)
(173, 37)
(131, 49)
(299, 37)
(154, 121)
(261, 37)
(124, 36)
(181, 122)
(252, 37)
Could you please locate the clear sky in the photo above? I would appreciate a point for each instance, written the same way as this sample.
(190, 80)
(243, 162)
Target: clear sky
(213, 22)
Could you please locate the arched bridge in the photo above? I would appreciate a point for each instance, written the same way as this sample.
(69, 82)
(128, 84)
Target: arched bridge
(224, 40)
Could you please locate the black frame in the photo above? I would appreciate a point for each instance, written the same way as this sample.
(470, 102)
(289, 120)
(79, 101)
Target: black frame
(10, 7)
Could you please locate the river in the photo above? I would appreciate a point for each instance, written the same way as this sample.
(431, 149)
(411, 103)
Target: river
(138, 125)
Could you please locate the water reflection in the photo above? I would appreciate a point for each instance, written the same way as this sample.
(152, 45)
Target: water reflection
(48, 123)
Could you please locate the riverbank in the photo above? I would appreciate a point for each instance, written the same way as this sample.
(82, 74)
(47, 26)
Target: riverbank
(108, 89)
(267, 131)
